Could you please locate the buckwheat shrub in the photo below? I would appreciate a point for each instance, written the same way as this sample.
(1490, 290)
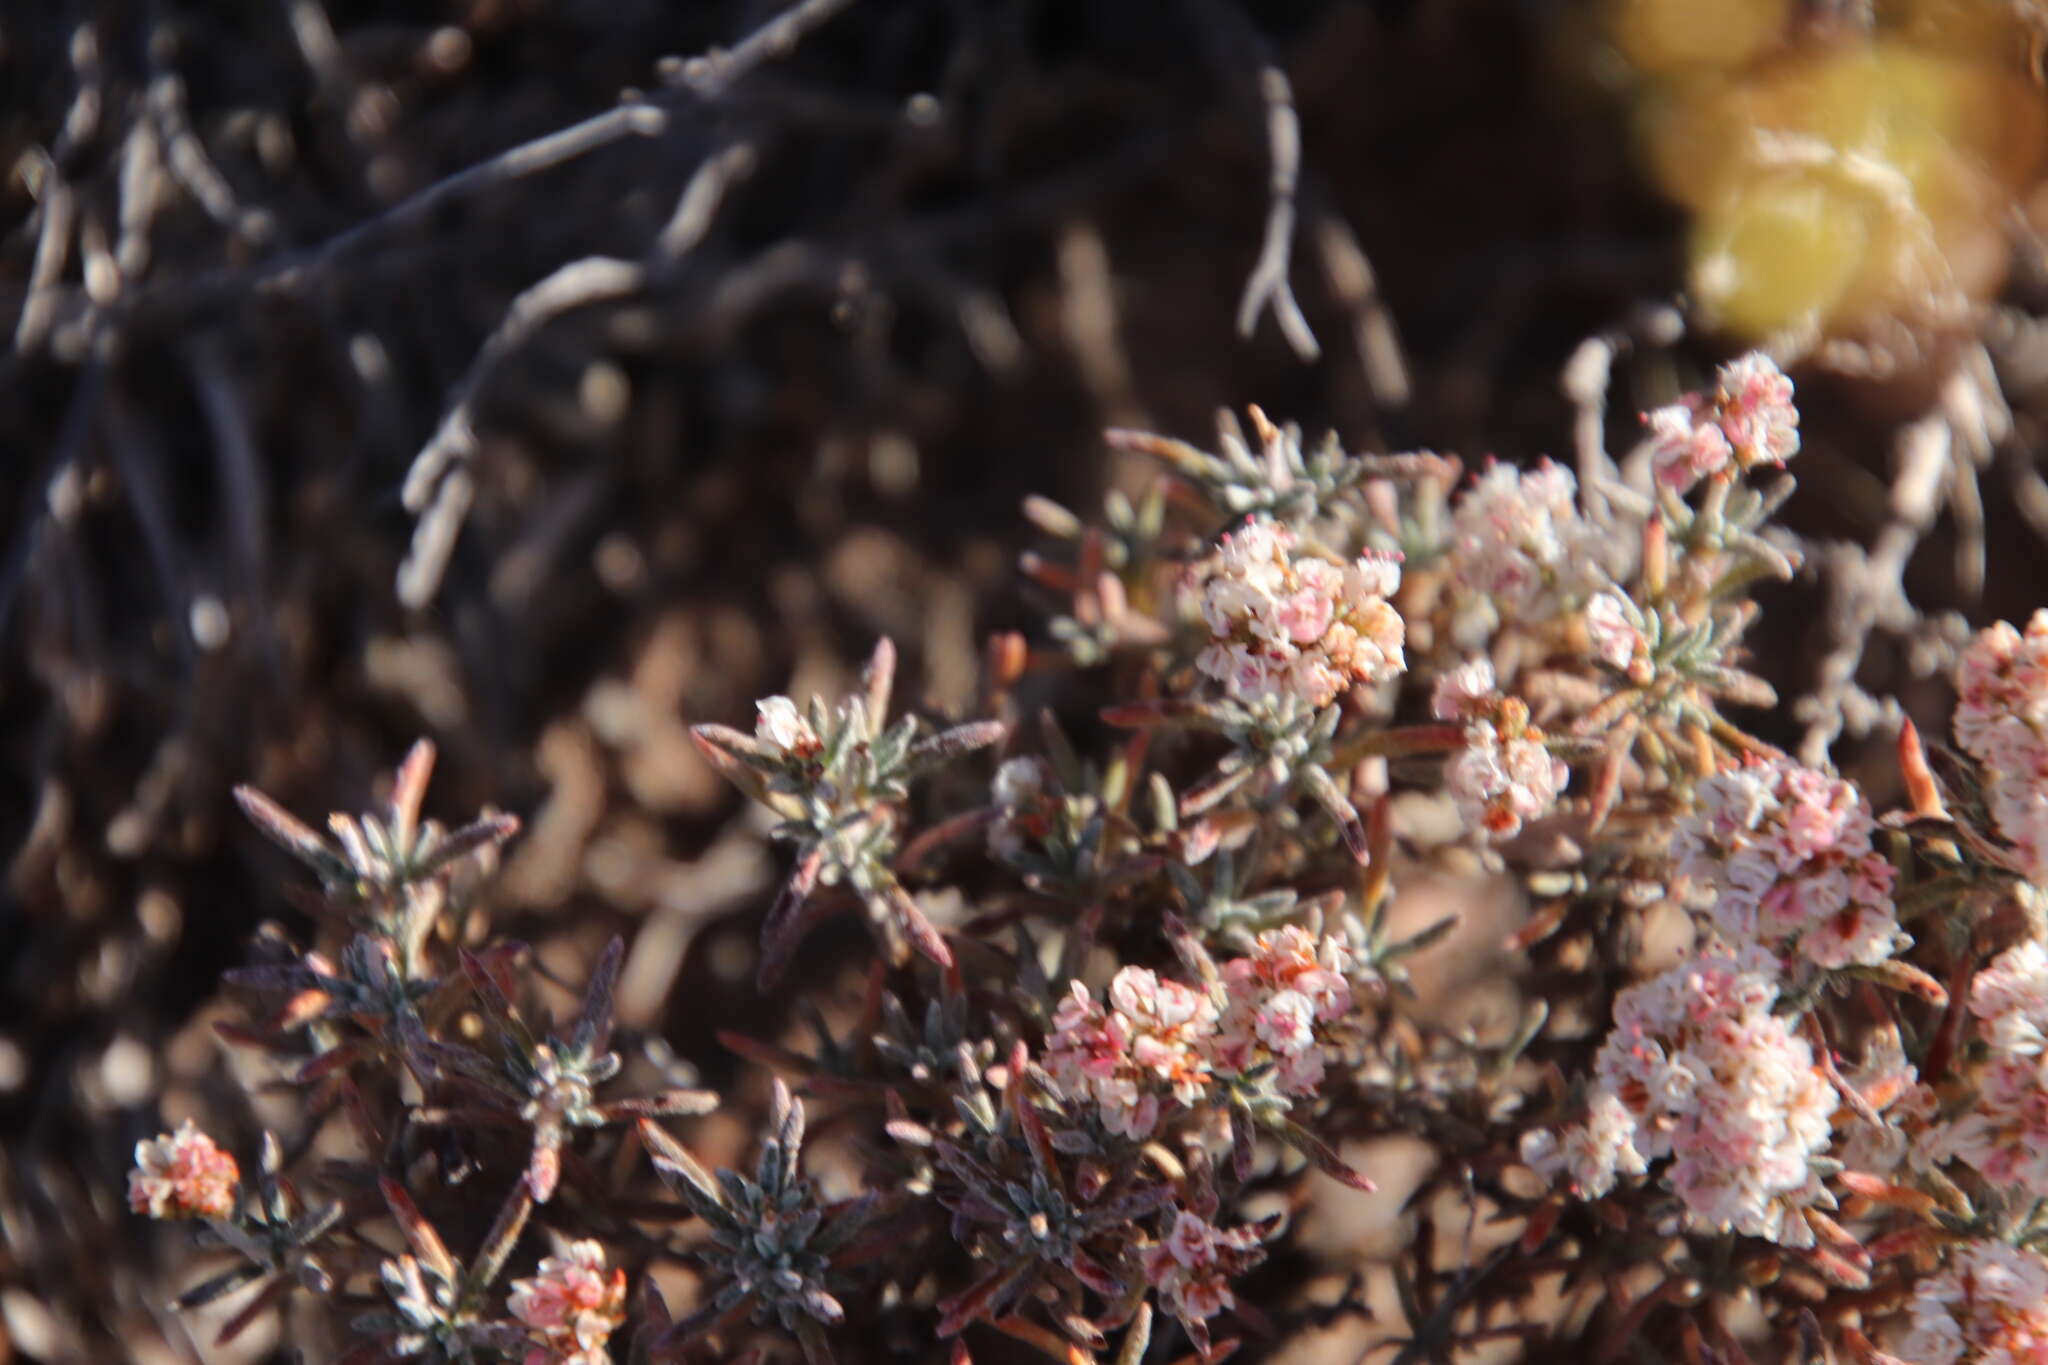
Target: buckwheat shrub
(1075, 1120)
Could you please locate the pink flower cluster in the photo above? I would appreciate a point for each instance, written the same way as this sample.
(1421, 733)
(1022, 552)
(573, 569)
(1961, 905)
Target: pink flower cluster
(1748, 421)
(2002, 721)
(1190, 1271)
(2004, 1132)
(1699, 1069)
(1154, 1044)
(1149, 1044)
(1787, 853)
(1286, 625)
(1504, 774)
(1517, 538)
(183, 1175)
(571, 1307)
(1988, 1305)
(1277, 997)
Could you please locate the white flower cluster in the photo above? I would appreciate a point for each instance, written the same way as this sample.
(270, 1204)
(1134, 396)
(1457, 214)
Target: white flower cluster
(1504, 774)
(1156, 1043)
(1748, 420)
(1286, 625)
(1987, 1306)
(1518, 540)
(1787, 853)
(1699, 1069)
(2002, 721)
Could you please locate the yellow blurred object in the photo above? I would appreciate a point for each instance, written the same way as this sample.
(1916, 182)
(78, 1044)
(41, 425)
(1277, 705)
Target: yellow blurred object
(1849, 183)
(1781, 255)
(1661, 38)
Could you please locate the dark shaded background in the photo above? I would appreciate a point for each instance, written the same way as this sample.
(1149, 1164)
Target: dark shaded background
(973, 235)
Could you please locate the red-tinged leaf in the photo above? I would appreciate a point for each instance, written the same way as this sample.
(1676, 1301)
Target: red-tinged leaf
(877, 681)
(1055, 578)
(956, 742)
(1838, 1236)
(681, 1171)
(1178, 456)
(498, 1243)
(1923, 793)
(332, 1060)
(780, 931)
(1539, 926)
(368, 1353)
(1321, 1155)
(721, 747)
(219, 1286)
(965, 1307)
(1325, 792)
(493, 995)
(1542, 1222)
(1905, 1242)
(1137, 1337)
(1031, 1334)
(419, 1234)
(409, 789)
(594, 1022)
(1838, 1269)
(1894, 974)
(1935, 1068)
(1035, 1135)
(1214, 790)
(1004, 659)
(1241, 1145)
(1405, 741)
(1095, 1275)
(958, 1355)
(667, 1103)
(486, 831)
(300, 1010)
(652, 1320)
(1882, 1191)
(918, 928)
(920, 850)
(544, 1169)
(287, 831)
(1164, 711)
(1379, 860)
